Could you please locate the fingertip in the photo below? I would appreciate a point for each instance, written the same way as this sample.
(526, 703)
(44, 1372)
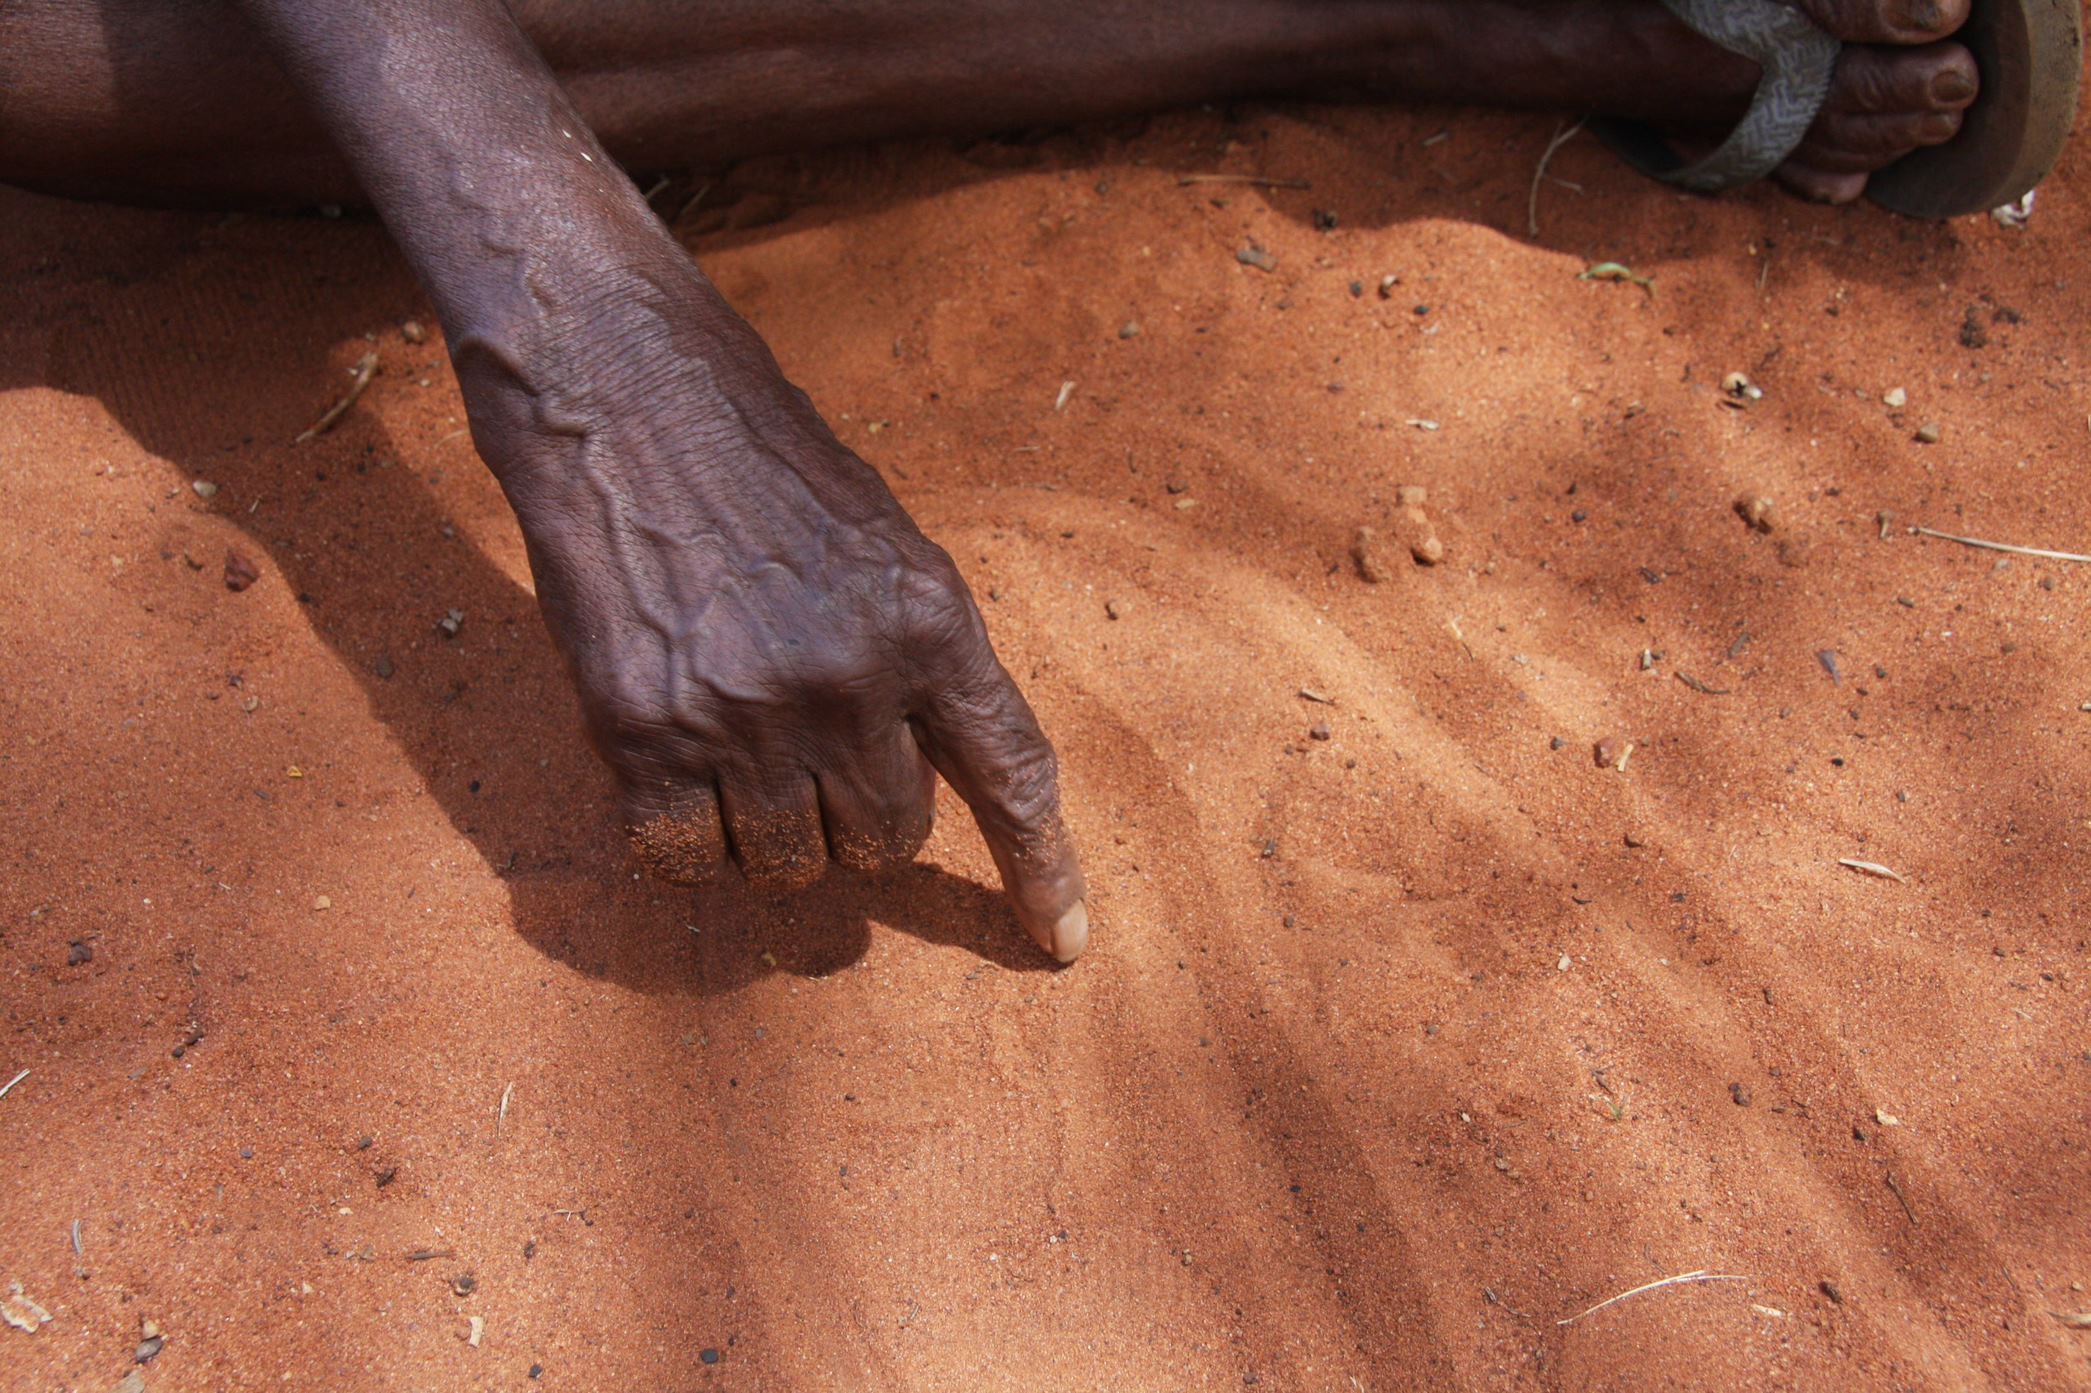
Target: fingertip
(1067, 936)
(679, 849)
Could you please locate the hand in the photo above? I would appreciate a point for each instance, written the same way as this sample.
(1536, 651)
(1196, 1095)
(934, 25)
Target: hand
(771, 656)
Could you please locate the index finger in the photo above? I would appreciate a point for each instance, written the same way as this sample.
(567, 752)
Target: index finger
(982, 737)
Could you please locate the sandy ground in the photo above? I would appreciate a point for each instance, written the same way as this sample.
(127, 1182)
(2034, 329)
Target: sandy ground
(1400, 1041)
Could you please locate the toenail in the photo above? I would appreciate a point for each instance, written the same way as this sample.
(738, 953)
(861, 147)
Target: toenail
(1920, 18)
(1952, 88)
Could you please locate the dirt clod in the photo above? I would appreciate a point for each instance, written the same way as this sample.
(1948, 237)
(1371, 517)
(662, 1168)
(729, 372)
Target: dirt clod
(240, 572)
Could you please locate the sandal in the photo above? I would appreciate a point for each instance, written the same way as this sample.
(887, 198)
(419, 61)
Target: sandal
(2030, 57)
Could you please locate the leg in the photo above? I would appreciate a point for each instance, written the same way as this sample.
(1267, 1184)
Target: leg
(128, 96)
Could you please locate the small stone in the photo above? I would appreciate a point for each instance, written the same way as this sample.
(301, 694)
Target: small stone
(1325, 220)
(205, 488)
(1319, 732)
(708, 1356)
(383, 667)
(1257, 257)
(450, 623)
(1386, 286)
(537, 1371)
(1422, 538)
(464, 1284)
(148, 1348)
(1412, 495)
(477, 1331)
(1556, 743)
(1369, 556)
(1130, 329)
(1117, 609)
(1613, 752)
(1740, 1094)
(1928, 433)
(1566, 963)
(413, 332)
(1756, 510)
(239, 571)
(321, 902)
(1895, 398)
(1735, 384)
(78, 951)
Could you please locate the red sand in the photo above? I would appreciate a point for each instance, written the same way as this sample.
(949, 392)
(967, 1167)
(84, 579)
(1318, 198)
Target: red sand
(1393, 1049)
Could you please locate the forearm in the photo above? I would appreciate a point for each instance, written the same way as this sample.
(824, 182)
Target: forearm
(515, 220)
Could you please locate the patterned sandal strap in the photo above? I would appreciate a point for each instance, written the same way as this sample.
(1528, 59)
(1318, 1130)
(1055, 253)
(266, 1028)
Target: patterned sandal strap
(1798, 61)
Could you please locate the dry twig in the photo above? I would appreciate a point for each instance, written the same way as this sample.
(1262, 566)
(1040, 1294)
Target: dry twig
(366, 368)
(1700, 1276)
(1258, 180)
(1562, 136)
(2002, 546)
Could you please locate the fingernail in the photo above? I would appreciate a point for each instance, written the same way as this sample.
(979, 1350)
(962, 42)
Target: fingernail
(1071, 933)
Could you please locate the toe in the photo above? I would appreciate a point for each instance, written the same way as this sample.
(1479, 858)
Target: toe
(1821, 186)
(1888, 81)
(1859, 144)
(1889, 21)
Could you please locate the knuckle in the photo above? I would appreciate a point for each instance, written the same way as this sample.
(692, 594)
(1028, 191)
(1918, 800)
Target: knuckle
(1027, 775)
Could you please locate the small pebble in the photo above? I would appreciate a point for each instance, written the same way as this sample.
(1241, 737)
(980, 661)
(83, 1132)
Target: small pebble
(1369, 556)
(384, 668)
(450, 623)
(1257, 257)
(1116, 609)
(1320, 732)
(148, 1348)
(1130, 329)
(1928, 433)
(1895, 397)
(1386, 286)
(1740, 1094)
(239, 571)
(708, 1356)
(205, 488)
(412, 332)
(322, 902)
(78, 951)
(1756, 510)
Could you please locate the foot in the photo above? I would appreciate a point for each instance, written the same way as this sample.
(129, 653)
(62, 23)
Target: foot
(1901, 83)
(1900, 86)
